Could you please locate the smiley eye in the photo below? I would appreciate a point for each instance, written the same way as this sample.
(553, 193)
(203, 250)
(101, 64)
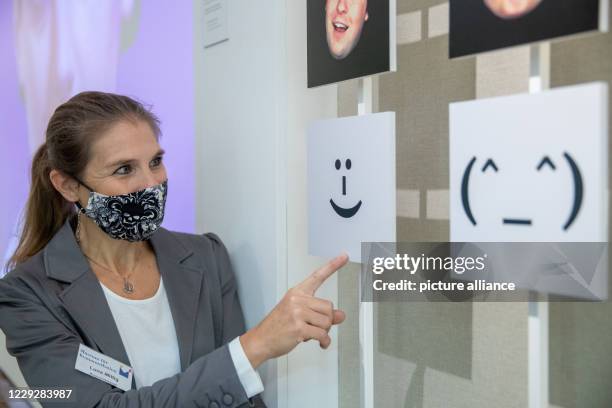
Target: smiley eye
(348, 164)
(546, 160)
(338, 164)
(489, 163)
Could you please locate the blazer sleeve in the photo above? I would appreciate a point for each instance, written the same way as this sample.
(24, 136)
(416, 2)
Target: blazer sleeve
(233, 318)
(46, 351)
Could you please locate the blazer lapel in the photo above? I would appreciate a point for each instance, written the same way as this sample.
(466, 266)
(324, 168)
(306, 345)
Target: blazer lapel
(83, 298)
(85, 302)
(183, 283)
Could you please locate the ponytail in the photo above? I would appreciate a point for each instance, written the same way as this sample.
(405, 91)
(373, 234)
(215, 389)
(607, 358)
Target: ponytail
(46, 211)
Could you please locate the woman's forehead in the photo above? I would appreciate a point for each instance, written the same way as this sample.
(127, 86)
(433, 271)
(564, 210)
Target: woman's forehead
(126, 140)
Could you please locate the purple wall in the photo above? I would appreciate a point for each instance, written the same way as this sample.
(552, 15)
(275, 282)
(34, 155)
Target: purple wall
(14, 150)
(157, 68)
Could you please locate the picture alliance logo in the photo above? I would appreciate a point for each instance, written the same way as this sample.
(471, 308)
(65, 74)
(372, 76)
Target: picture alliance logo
(423, 263)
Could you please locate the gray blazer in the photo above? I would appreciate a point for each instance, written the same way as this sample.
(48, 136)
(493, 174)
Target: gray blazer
(53, 302)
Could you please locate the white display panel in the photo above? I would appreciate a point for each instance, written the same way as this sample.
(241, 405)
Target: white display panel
(530, 167)
(351, 183)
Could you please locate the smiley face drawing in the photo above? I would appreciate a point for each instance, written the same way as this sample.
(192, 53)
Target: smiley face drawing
(341, 211)
(545, 163)
(351, 183)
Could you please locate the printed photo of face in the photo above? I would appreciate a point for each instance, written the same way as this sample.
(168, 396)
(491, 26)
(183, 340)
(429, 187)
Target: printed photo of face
(509, 23)
(344, 20)
(509, 9)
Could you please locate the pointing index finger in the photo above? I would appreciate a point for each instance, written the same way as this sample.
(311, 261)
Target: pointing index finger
(316, 279)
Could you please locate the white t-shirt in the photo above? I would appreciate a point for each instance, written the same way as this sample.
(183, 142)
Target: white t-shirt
(147, 329)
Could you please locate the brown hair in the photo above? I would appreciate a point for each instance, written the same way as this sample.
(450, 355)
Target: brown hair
(70, 133)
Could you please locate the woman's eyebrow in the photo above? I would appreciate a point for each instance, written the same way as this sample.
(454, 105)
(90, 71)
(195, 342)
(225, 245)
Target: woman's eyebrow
(160, 152)
(120, 162)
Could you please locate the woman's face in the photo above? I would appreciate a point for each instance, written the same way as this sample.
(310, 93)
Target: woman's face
(508, 9)
(344, 20)
(125, 159)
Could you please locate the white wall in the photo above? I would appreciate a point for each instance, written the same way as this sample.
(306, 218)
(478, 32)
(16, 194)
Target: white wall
(252, 109)
(313, 372)
(239, 150)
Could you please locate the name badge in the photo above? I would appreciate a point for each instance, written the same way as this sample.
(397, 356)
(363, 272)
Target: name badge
(104, 368)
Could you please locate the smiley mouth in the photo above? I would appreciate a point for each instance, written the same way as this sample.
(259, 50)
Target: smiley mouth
(345, 212)
(340, 27)
(517, 221)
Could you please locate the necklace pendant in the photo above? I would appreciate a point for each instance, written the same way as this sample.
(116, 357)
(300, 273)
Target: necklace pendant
(128, 287)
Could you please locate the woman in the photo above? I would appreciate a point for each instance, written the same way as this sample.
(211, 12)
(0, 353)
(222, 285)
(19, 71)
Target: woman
(163, 304)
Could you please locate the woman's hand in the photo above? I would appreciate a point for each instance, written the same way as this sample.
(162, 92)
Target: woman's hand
(298, 317)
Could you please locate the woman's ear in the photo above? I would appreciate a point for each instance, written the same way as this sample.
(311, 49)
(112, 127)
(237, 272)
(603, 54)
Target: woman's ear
(67, 186)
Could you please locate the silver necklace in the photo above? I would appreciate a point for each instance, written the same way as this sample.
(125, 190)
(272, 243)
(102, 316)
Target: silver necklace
(128, 287)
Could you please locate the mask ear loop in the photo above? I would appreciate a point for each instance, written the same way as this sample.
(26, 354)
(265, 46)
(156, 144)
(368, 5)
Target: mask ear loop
(77, 233)
(80, 211)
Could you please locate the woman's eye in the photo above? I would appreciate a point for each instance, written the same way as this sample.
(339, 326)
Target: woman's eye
(156, 162)
(123, 170)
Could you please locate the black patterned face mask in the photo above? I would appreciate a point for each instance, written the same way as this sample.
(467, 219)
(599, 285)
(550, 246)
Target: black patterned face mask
(131, 217)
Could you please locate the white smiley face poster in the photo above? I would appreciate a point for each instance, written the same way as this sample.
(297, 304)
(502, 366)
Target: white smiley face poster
(531, 167)
(351, 183)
